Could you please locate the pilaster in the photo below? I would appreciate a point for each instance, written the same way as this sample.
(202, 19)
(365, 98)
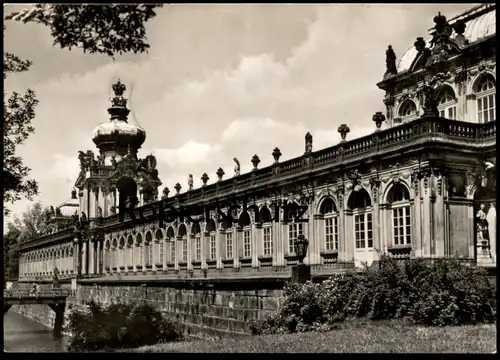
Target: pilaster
(257, 242)
(427, 218)
(417, 223)
(343, 257)
(84, 257)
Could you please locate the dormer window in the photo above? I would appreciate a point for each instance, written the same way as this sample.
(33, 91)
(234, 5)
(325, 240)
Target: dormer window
(447, 103)
(407, 110)
(485, 96)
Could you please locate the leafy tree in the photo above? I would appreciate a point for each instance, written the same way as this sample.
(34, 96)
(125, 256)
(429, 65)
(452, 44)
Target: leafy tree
(32, 224)
(11, 241)
(102, 29)
(18, 112)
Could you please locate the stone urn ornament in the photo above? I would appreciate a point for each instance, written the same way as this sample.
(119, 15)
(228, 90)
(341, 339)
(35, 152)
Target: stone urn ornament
(343, 130)
(255, 162)
(204, 179)
(178, 188)
(378, 118)
(220, 174)
(276, 155)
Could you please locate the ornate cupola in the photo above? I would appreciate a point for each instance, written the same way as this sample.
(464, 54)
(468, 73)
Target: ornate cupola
(115, 137)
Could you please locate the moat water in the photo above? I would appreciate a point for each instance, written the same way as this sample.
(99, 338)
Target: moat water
(24, 335)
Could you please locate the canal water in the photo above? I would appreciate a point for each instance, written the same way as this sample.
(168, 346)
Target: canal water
(24, 335)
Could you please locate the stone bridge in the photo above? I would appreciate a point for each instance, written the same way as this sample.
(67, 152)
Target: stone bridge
(54, 298)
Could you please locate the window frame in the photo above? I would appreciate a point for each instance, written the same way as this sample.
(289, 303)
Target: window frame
(229, 240)
(269, 241)
(296, 232)
(367, 223)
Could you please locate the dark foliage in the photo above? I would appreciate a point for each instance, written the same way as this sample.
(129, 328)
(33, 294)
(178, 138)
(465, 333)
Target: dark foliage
(446, 293)
(102, 29)
(18, 112)
(119, 326)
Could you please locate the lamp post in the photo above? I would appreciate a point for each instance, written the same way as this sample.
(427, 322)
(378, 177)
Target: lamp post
(301, 272)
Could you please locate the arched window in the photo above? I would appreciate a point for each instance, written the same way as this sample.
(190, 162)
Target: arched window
(159, 244)
(447, 103)
(107, 246)
(407, 110)
(196, 237)
(182, 235)
(122, 249)
(211, 230)
(331, 224)
(171, 240)
(114, 245)
(399, 198)
(360, 204)
(130, 251)
(267, 229)
(245, 222)
(148, 249)
(140, 250)
(485, 96)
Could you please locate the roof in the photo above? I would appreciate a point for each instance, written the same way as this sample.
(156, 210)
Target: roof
(477, 28)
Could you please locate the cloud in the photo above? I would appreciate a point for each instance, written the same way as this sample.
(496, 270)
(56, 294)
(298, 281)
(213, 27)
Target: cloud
(225, 82)
(63, 168)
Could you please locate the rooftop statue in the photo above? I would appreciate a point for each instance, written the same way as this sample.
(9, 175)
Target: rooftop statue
(190, 181)
(390, 61)
(237, 167)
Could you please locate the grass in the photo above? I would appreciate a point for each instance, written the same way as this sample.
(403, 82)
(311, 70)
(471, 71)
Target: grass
(351, 337)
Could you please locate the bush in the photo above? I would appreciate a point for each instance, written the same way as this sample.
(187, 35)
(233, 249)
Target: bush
(446, 293)
(119, 326)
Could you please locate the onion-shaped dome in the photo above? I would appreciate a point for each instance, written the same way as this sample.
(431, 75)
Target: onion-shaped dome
(118, 133)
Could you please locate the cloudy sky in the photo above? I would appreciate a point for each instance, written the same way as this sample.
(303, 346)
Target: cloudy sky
(220, 81)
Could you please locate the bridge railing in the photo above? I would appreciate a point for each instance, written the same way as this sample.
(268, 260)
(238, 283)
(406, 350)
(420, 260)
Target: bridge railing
(24, 293)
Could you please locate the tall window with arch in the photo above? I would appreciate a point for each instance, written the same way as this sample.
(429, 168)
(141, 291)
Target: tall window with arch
(399, 199)
(182, 236)
(121, 256)
(407, 110)
(245, 223)
(139, 251)
(114, 245)
(211, 231)
(130, 252)
(485, 89)
(159, 245)
(360, 205)
(329, 213)
(148, 249)
(447, 103)
(196, 239)
(171, 244)
(267, 228)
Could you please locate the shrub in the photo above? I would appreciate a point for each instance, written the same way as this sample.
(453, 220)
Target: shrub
(446, 293)
(119, 326)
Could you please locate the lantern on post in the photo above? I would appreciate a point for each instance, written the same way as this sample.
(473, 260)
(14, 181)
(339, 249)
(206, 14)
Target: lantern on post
(301, 272)
(301, 244)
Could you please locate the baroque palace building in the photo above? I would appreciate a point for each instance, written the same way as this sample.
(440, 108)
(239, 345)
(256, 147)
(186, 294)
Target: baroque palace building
(425, 186)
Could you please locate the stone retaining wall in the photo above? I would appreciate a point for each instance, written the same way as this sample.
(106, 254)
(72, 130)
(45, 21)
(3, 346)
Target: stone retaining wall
(207, 312)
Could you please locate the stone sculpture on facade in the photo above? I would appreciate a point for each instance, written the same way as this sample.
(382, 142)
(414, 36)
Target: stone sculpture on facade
(390, 62)
(482, 227)
(237, 167)
(190, 182)
(309, 143)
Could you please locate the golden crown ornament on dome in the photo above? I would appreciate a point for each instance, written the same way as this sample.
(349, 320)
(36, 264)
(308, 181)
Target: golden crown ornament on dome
(119, 88)
(118, 99)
